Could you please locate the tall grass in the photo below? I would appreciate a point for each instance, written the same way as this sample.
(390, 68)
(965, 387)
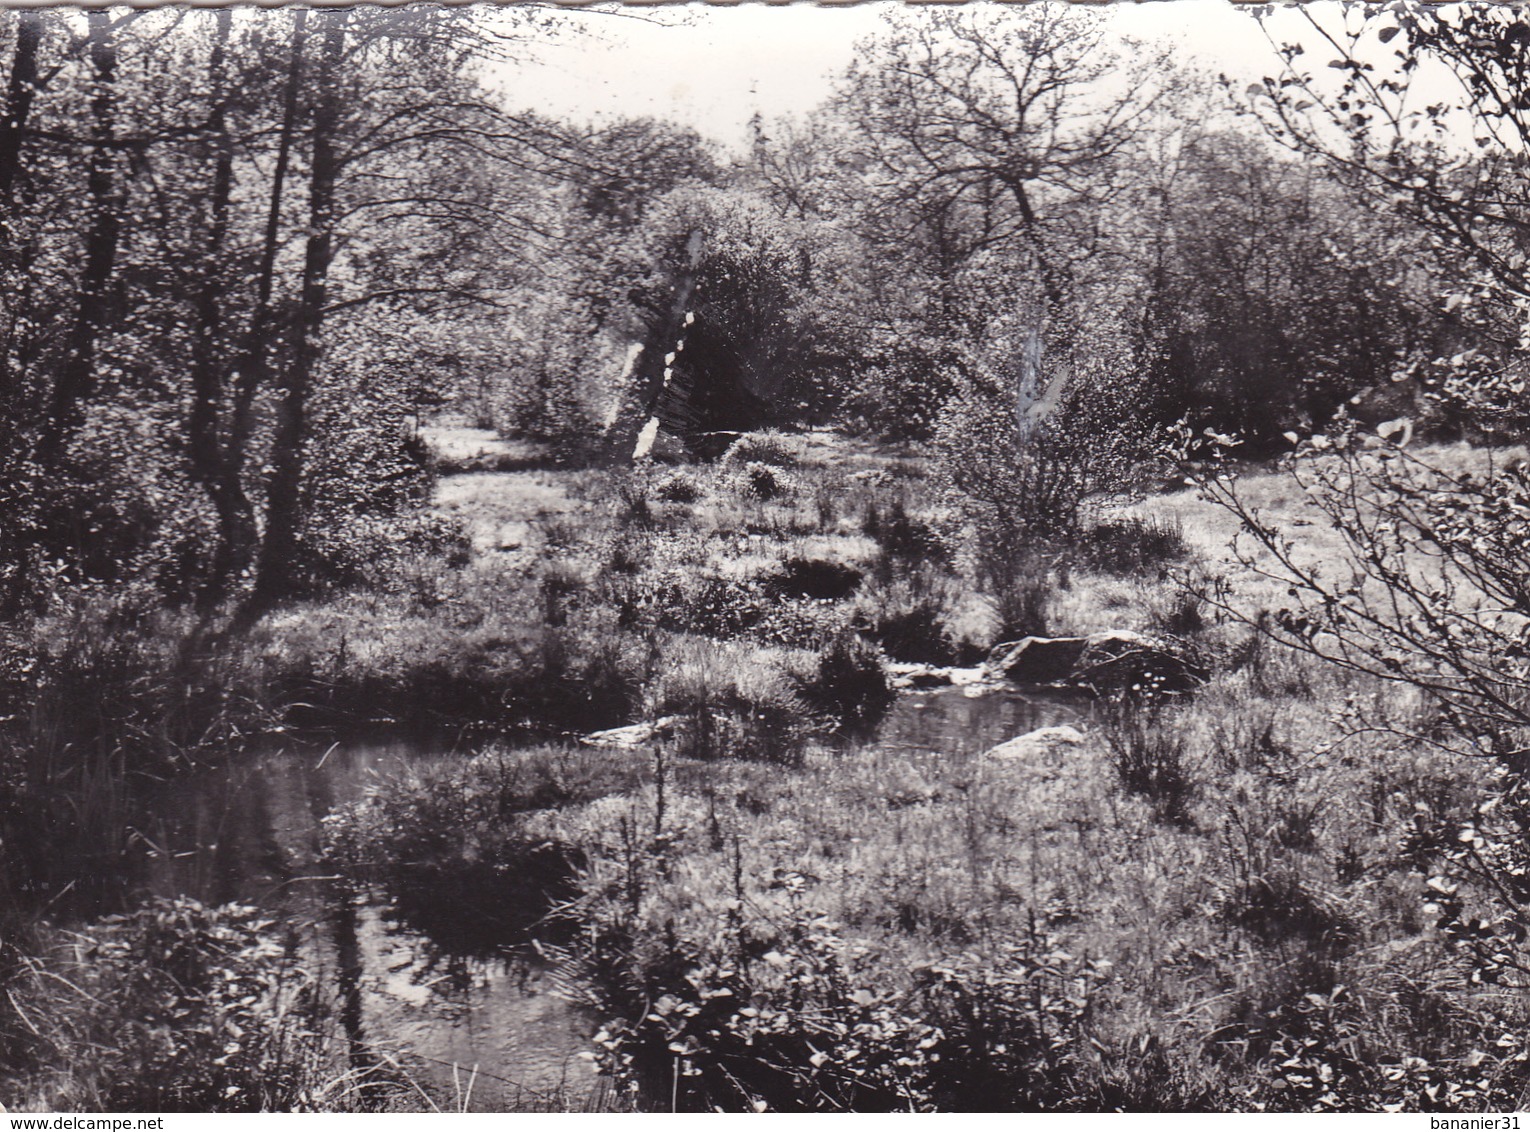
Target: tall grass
(174, 1008)
(1149, 749)
(1203, 905)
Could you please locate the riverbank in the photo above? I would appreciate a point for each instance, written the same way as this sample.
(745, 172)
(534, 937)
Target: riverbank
(1193, 906)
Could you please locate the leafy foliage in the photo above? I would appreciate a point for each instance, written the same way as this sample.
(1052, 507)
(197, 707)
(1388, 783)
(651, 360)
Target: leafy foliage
(176, 1008)
(792, 1019)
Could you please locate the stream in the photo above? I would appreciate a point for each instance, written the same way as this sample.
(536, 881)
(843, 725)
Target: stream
(252, 832)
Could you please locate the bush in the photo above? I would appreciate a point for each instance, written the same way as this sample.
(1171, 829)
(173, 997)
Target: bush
(762, 482)
(677, 487)
(914, 616)
(1133, 545)
(1318, 1051)
(1437, 583)
(850, 685)
(1040, 426)
(359, 551)
(762, 448)
(815, 578)
(903, 538)
(1020, 582)
(796, 1018)
(680, 599)
(715, 607)
(915, 632)
(175, 1007)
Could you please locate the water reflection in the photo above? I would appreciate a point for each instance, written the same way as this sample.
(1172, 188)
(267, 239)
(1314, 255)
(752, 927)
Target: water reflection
(951, 720)
(253, 832)
(436, 1005)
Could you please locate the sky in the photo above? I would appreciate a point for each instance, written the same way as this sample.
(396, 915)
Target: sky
(711, 67)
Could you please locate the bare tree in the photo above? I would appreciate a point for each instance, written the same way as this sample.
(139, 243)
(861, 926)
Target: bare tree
(979, 131)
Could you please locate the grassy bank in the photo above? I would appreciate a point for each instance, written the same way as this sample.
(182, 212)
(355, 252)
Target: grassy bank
(939, 929)
(1207, 903)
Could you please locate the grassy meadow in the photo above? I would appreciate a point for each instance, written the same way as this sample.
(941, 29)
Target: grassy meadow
(1203, 901)
(1209, 902)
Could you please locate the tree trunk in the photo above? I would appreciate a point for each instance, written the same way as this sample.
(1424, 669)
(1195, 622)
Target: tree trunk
(252, 367)
(211, 464)
(646, 377)
(279, 553)
(76, 377)
(20, 93)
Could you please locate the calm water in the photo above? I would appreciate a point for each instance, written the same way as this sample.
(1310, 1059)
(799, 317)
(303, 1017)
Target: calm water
(252, 833)
(949, 720)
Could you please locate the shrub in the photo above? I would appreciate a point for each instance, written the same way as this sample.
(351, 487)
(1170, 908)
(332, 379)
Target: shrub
(1272, 896)
(815, 578)
(915, 616)
(761, 448)
(1132, 545)
(627, 553)
(356, 551)
(802, 623)
(796, 1018)
(715, 607)
(1479, 879)
(677, 487)
(903, 538)
(915, 632)
(1013, 1027)
(1182, 609)
(1020, 582)
(743, 1022)
(175, 1007)
(1041, 423)
(732, 726)
(1318, 1051)
(762, 482)
(1437, 583)
(850, 685)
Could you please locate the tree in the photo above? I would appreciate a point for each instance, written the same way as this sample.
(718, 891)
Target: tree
(988, 147)
(797, 163)
(985, 131)
(1453, 167)
(1034, 428)
(1275, 298)
(170, 164)
(566, 338)
(1433, 593)
(758, 324)
(1436, 595)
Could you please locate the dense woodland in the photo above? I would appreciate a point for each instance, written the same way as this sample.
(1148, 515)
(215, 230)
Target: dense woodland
(245, 252)
(1021, 271)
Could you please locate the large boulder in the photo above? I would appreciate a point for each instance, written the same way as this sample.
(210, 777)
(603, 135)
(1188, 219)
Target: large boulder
(1111, 661)
(1037, 660)
(1042, 741)
(1120, 660)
